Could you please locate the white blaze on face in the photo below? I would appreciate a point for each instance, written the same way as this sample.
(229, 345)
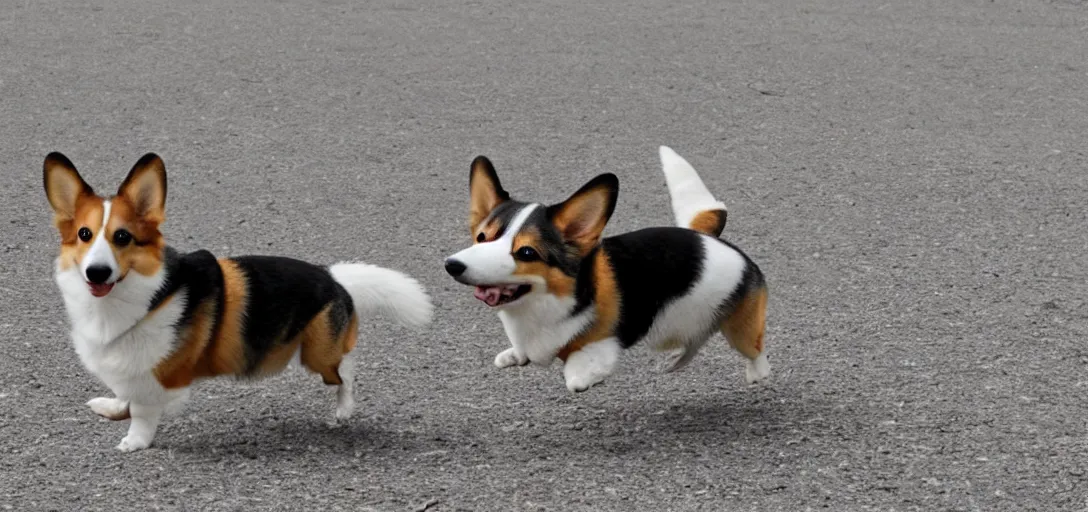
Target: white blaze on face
(100, 253)
(492, 262)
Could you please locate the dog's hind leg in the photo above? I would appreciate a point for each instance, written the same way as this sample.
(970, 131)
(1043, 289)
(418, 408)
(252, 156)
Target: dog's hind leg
(345, 394)
(744, 329)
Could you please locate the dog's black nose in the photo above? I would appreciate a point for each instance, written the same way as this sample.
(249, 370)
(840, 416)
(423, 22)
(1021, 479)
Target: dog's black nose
(98, 274)
(454, 267)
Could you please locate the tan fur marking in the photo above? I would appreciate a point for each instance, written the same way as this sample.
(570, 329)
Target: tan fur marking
(88, 214)
(582, 217)
(558, 283)
(204, 353)
(145, 189)
(189, 360)
(744, 328)
(64, 187)
(607, 303)
(350, 335)
(490, 229)
(144, 253)
(276, 359)
(322, 348)
(711, 222)
(227, 351)
(484, 192)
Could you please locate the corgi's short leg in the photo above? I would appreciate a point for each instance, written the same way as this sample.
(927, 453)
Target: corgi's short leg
(591, 364)
(744, 330)
(110, 408)
(146, 418)
(345, 394)
(511, 357)
(757, 369)
(145, 421)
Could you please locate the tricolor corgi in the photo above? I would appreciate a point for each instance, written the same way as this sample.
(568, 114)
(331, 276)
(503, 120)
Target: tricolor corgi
(149, 321)
(563, 292)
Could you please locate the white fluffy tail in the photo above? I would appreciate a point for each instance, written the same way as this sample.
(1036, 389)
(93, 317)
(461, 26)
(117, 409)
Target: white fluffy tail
(692, 204)
(389, 292)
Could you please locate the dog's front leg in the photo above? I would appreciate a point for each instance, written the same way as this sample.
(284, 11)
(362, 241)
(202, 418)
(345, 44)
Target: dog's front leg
(145, 421)
(146, 418)
(512, 356)
(591, 364)
(515, 355)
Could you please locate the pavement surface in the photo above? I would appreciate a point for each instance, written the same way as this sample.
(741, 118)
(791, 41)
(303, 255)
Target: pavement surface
(911, 177)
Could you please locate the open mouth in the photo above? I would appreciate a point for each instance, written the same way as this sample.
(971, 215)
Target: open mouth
(101, 290)
(501, 295)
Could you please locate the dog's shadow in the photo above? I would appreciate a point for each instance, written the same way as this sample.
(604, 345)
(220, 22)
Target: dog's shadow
(286, 438)
(653, 425)
(606, 428)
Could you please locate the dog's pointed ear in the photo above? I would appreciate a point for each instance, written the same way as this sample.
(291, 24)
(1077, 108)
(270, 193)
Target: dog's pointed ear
(145, 188)
(485, 191)
(63, 185)
(583, 216)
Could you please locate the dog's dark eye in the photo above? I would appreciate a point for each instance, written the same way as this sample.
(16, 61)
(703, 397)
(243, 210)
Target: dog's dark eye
(527, 254)
(480, 238)
(85, 234)
(121, 238)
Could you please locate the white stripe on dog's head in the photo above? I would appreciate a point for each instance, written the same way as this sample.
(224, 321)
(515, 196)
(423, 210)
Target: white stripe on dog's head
(492, 262)
(100, 255)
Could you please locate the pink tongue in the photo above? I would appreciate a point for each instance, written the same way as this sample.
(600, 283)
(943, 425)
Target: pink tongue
(489, 294)
(100, 290)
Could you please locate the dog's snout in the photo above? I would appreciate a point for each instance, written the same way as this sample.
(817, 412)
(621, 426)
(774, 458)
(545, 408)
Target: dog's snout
(98, 274)
(454, 267)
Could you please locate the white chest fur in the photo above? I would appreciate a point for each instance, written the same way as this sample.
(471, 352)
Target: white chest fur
(541, 325)
(115, 337)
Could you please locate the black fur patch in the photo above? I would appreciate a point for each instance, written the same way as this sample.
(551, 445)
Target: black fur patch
(652, 267)
(284, 295)
(199, 273)
(553, 249)
(721, 217)
(503, 214)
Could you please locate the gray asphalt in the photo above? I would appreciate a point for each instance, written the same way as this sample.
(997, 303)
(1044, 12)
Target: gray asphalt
(909, 175)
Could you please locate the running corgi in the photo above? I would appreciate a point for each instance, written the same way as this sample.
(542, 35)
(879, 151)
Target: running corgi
(563, 292)
(150, 321)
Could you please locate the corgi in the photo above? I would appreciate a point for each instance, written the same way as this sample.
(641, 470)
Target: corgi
(562, 292)
(149, 321)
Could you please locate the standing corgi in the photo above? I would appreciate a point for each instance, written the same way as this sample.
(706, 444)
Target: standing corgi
(149, 321)
(563, 292)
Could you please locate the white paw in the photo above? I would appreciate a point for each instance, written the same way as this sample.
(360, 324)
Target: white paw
(109, 408)
(757, 369)
(343, 411)
(580, 383)
(511, 357)
(591, 365)
(131, 443)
